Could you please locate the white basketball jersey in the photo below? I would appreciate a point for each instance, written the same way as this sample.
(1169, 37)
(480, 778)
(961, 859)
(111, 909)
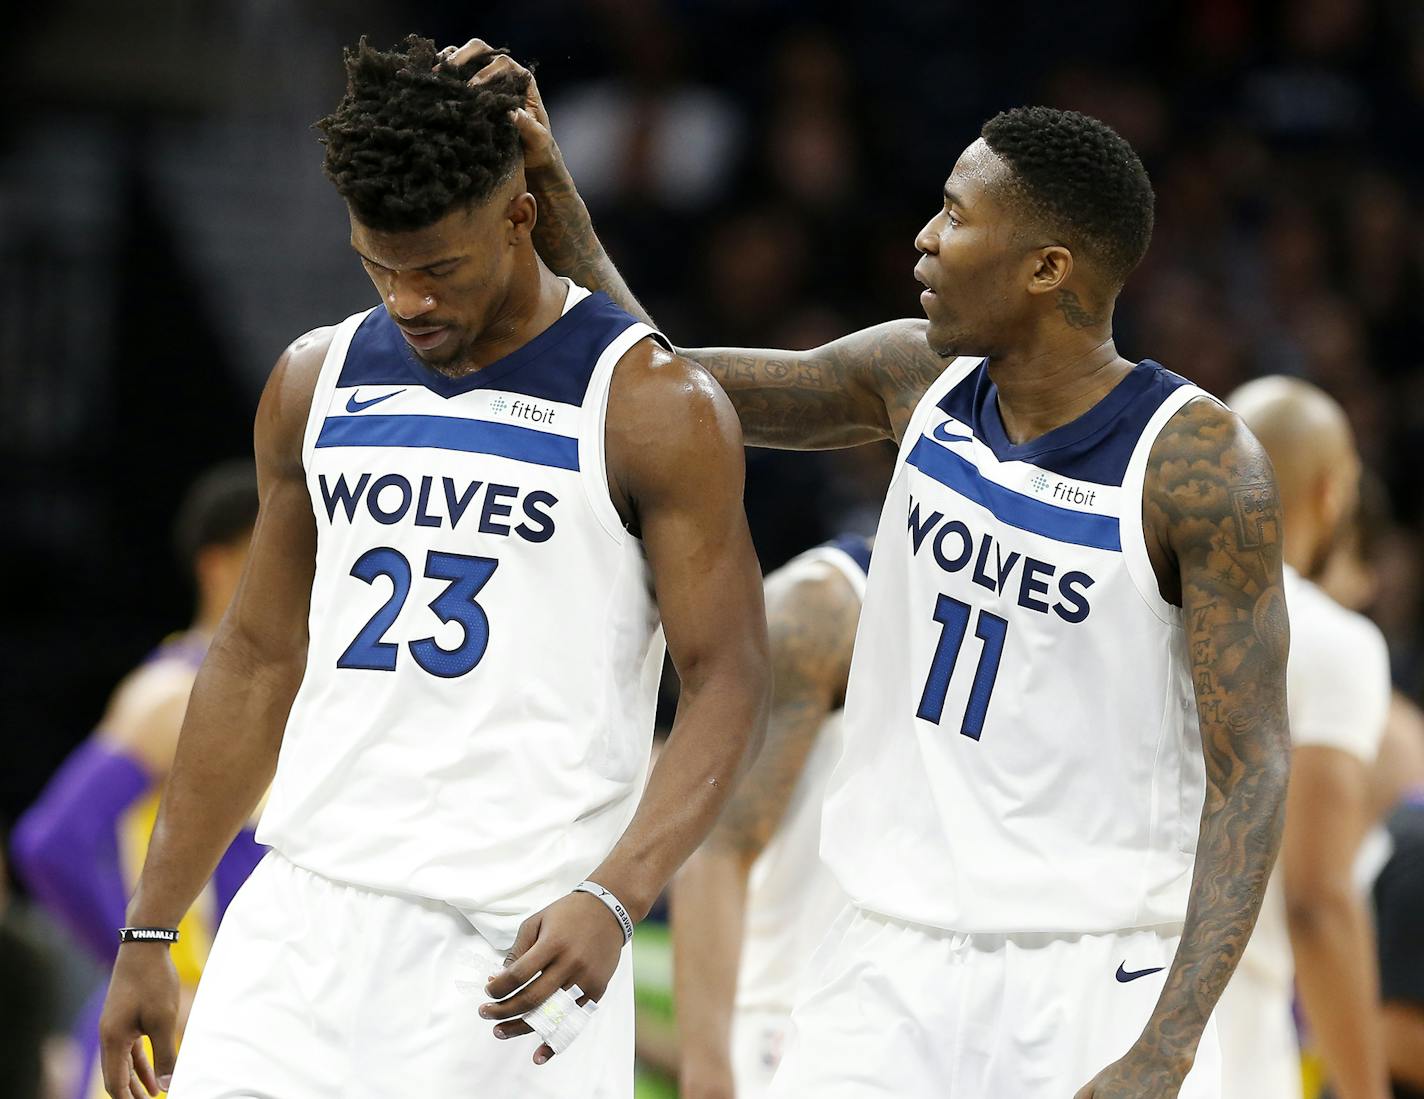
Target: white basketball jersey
(1022, 751)
(475, 720)
(792, 897)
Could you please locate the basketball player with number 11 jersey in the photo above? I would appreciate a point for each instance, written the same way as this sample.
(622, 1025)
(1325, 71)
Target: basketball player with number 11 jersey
(1065, 760)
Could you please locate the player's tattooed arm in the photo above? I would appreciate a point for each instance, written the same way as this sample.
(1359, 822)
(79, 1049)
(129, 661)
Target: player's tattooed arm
(1212, 510)
(811, 621)
(859, 389)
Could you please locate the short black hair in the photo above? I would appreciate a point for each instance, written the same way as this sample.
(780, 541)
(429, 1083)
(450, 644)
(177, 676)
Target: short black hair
(410, 140)
(219, 508)
(1080, 178)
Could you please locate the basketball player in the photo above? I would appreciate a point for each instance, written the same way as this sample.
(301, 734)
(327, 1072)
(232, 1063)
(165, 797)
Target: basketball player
(752, 902)
(80, 846)
(1066, 754)
(476, 501)
(1314, 934)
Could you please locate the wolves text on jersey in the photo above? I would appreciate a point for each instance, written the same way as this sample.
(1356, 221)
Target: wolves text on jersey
(442, 502)
(954, 547)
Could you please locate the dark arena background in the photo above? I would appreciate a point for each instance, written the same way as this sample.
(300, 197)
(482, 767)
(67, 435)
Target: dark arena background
(758, 170)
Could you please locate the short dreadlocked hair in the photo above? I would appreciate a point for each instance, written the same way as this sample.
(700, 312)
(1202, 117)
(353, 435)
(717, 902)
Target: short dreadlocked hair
(411, 140)
(1078, 177)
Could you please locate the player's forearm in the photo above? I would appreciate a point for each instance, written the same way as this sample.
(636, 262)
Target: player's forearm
(721, 719)
(1239, 836)
(225, 760)
(709, 897)
(566, 241)
(1335, 968)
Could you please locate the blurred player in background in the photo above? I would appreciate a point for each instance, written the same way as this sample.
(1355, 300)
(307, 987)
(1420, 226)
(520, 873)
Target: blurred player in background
(1393, 864)
(1315, 924)
(754, 901)
(483, 502)
(79, 848)
(1060, 873)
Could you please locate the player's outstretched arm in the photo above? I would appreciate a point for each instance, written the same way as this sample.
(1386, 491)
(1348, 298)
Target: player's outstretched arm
(812, 621)
(675, 460)
(227, 751)
(1211, 504)
(856, 390)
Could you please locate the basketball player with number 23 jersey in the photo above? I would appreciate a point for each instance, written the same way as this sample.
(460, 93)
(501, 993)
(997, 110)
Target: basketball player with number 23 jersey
(1066, 751)
(484, 503)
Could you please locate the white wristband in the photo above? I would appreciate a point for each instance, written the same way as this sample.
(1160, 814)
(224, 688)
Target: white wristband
(620, 913)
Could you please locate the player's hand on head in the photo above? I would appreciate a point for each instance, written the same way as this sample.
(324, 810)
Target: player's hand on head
(574, 941)
(143, 1001)
(537, 136)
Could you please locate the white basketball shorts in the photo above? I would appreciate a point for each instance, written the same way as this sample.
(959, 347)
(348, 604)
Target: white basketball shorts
(758, 1044)
(319, 990)
(1260, 1052)
(895, 1009)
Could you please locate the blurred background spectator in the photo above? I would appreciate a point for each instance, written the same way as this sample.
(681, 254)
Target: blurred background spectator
(759, 170)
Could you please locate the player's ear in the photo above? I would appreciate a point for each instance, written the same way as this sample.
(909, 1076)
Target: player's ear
(1051, 266)
(522, 215)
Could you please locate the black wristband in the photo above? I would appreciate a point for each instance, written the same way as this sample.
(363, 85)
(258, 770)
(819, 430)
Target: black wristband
(148, 935)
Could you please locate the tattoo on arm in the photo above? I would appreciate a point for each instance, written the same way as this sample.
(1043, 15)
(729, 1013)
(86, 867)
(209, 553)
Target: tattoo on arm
(858, 389)
(564, 237)
(812, 627)
(1212, 494)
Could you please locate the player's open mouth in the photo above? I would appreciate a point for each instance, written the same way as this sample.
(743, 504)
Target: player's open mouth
(425, 339)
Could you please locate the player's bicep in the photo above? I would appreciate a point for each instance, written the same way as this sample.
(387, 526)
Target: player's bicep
(685, 482)
(269, 610)
(1212, 496)
(858, 389)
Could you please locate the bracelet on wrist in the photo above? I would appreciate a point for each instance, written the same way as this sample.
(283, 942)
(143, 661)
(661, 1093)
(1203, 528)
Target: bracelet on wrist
(625, 921)
(168, 935)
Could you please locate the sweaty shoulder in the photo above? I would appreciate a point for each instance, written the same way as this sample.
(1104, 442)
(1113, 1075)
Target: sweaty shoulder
(287, 397)
(668, 420)
(897, 361)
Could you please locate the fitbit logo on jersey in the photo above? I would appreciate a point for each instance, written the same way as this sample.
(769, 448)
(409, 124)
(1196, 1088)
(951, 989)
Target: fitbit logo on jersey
(1063, 490)
(1030, 581)
(523, 410)
(440, 502)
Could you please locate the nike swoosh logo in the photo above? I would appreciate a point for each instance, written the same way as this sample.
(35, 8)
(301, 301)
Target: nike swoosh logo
(944, 436)
(1124, 975)
(353, 405)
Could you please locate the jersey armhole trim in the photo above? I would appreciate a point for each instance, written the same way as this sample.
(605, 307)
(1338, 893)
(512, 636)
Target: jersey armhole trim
(593, 433)
(1134, 542)
(953, 373)
(326, 380)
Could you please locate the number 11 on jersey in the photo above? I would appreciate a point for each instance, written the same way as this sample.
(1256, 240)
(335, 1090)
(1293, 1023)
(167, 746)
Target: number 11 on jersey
(953, 616)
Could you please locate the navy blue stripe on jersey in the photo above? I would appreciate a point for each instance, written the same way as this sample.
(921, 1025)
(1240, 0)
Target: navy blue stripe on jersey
(1095, 447)
(854, 546)
(1014, 508)
(554, 366)
(523, 444)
